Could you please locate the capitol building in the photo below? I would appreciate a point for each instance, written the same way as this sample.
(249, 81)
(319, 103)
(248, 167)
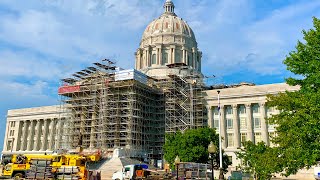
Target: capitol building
(106, 107)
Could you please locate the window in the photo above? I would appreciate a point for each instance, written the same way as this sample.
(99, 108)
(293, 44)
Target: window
(11, 133)
(154, 59)
(257, 137)
(229, 123)
(230, 140)
(178, 56)
(243, 137)
(216, 122)
(141, 60)
(228, 110)
(13, 124)
(230, 159)
(242, 109)
(255, 108)
(190, 61)
(9, 145)
(243, 123)
(257, 122)
(216, 111)
(164, 58)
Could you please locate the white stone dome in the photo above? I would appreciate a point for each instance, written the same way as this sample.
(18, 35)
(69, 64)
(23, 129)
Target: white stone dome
(168, 25)
(168, 44)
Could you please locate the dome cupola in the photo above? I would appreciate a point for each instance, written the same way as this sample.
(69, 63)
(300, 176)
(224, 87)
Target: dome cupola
(168, 42)
(169, 7)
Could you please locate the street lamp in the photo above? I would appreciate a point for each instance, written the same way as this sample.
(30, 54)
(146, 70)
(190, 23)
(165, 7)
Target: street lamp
(220, 139)
(212, 149)
(177, 161)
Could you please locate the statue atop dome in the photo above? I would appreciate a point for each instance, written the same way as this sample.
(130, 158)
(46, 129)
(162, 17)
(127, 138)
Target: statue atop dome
(168, 42)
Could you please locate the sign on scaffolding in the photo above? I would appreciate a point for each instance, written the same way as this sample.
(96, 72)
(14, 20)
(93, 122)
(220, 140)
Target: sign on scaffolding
(68, 89)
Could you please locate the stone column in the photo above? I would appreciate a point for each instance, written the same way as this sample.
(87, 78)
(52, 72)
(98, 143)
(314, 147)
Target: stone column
(210, 118)
(138, 63)
(160, 56)
(137, 60)
(194, 60)
(184, 55)
(223, 130)
(264, 126)
(38, 135)
(31, 135)
(58, 134)
(249, 123)
(24, 135)
(170, 56)
(52, 134)
(174, 55)
(45, 135)
(148, 58)
(19, 133)
(144, 59)
(236, 125)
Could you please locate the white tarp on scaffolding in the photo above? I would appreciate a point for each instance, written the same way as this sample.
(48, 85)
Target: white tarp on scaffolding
(131, 74)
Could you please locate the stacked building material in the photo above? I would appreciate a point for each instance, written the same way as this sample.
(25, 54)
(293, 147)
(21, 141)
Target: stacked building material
(40, 169)
(68, 173)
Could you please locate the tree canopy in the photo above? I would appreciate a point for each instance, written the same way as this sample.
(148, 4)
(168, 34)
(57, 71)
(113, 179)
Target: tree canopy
(298, 123)
(260, 160)
(192, 146)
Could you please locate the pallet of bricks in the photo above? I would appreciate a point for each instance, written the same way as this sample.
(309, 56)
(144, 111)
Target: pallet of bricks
(68, 173)
(40, 169)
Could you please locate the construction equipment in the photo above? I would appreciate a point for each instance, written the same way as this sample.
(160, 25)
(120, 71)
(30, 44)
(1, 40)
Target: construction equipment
(42, 166)
(134, 171)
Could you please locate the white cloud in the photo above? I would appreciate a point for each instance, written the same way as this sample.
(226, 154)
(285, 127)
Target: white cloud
(28, 65)
(19, 93)
(235, 33)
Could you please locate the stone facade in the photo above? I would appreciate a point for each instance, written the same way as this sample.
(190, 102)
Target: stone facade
(243, 114)
(34, 129)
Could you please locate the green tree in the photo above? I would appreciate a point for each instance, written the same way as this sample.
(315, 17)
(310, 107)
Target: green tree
(260, 160)
(298, 123)
(192, 146)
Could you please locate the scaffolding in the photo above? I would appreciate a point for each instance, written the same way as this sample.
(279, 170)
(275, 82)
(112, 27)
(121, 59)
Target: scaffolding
(184, 101)
(112, 109)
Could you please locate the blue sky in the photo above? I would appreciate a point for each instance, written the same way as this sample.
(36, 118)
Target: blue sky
(42, 41)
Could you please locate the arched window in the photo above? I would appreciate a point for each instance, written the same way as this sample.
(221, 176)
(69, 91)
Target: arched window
(178, 56)
(164, 58)
(154, 59)
(189, 60)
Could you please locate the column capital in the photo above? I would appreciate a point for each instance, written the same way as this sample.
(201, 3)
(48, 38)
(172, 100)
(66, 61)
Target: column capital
(262, 104)
(234, 106)
(248, 105)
